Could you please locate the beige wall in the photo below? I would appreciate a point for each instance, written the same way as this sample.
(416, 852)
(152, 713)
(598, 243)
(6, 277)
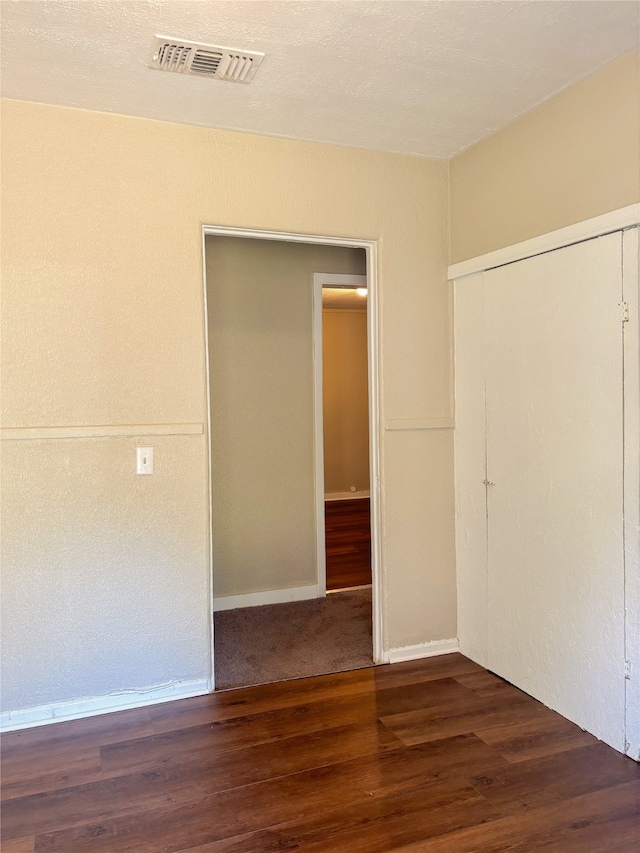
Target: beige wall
(345, 400)
(105, 575)
(572, 158)
(103, 324)
(97, 564)
(259, 300)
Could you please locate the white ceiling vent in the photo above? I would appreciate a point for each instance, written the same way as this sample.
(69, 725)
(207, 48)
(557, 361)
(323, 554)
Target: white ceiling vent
(205, 60)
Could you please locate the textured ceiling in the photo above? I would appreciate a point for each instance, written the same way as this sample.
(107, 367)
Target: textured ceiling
(426, 77)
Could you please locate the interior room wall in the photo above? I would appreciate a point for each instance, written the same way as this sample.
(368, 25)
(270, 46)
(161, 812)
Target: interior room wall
(103, 327)
(574, 157)
(259, 299)
(345, 400)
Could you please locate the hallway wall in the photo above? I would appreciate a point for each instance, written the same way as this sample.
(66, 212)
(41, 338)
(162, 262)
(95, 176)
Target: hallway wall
(345, 400)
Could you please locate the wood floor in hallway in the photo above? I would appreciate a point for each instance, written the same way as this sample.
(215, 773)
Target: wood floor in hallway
(434, 756)
(348, 542)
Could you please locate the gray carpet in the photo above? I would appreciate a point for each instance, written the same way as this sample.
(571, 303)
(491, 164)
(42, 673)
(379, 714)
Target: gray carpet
(277, 642)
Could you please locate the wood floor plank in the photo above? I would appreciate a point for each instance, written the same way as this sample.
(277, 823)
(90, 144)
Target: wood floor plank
(487, 684)
(234, 704)
(373, 826)
(266, 804)
(432, 756)
(74, 736)
(546, 735)
(178, 777)
(18, 845)
(48, 772)
(475, 712)
(606, 821)
(348, 543)
(548, 780)
(246, 701)
(420, 671)
(240, 732)
(250, 730)
(445, 692)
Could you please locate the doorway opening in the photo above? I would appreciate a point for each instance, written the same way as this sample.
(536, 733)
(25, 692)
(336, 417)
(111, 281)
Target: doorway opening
(270, 614)
(342, 416)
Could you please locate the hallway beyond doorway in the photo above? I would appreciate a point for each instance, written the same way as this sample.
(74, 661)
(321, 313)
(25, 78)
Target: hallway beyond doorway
(348, 543)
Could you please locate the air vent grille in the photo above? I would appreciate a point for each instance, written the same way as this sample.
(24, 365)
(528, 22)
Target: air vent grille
(221, 63)
(173, 57)
(206, 62)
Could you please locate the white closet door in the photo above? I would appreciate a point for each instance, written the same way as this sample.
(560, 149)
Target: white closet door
(554, 407)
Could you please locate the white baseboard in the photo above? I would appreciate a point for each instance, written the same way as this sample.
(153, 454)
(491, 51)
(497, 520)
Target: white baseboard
(422, 650)
(42, 715)
(346, 496)
(268, 596)
(350, 588)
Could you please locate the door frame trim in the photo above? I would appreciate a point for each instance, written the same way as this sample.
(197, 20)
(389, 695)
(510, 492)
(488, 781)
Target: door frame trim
(374, 358)
(631, 488)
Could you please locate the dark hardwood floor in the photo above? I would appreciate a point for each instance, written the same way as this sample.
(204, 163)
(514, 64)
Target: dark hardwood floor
(348, 543)
(434, 756)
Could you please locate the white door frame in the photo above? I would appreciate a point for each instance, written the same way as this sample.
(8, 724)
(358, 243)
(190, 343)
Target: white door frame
(320, 280)
(631, 475)
(371, 249)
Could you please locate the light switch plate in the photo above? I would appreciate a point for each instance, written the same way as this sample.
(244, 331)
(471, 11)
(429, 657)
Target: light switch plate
(144, 460)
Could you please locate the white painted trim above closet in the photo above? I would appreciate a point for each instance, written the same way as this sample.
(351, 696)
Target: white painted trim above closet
(607, 223)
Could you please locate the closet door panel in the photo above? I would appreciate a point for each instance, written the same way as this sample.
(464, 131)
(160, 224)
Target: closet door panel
(554, 408)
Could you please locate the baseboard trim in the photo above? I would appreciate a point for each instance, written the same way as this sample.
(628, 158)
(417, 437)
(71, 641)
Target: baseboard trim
(43, 715)
(350, 588)
(347, 496)
(422, 650)
(268, 596)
